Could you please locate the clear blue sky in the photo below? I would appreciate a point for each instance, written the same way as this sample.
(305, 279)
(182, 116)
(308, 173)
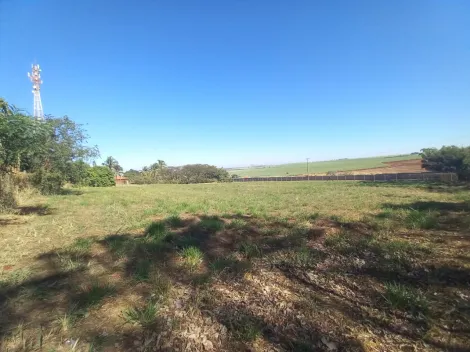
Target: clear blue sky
(238, 82)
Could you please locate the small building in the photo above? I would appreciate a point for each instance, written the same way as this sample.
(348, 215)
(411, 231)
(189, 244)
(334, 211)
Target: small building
(121, 180)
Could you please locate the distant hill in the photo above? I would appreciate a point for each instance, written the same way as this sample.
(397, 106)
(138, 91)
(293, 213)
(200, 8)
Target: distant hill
(320, 167)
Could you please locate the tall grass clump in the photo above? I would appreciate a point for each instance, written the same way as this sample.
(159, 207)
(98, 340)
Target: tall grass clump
(8, 192)
(421, 219)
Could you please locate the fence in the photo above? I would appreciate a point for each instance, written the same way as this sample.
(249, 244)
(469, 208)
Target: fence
(418, 176)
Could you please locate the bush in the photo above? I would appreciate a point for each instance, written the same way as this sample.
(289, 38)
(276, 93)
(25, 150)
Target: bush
(447, 159)
(47, 182)
(78, 172)
(8, 192)
(99, 176)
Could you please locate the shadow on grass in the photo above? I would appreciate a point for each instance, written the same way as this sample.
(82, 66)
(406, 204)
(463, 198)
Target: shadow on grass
(295, 286)
(34, 210)
(431, 186)
(70, 192)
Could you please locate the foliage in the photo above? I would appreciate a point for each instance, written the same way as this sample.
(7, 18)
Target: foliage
(20, 137)
(78, 172)
(159, 172)
(447, 159)
(7, 192)
(201, 173)
(5, 108)
(99, 176)
(47, 182)
(113, 165)
(54, 150)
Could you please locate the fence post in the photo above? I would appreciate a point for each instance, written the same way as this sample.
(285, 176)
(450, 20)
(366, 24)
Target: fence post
(374, 177)
(396, 177)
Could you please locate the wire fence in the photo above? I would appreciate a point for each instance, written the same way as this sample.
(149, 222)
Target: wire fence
(417, 176)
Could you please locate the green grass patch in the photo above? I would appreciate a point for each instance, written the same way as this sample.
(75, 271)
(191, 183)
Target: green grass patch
(142, 270)
(174, 221)
(192, 257)
(145, 316)
(156, 230)
(94, 294)
(422, 219)
(211, 224)
(405, 298)
(82, 245)
(250, 250)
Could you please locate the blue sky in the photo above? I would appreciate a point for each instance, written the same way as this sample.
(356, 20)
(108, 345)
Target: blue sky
(239, 82)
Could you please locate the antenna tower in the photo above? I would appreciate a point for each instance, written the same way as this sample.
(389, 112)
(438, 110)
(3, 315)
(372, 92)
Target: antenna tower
(35, 77)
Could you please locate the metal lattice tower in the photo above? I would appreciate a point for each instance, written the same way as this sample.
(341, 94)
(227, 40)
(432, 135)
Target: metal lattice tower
(35, 77)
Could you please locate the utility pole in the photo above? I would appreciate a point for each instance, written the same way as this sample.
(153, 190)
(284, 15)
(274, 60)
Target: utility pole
(308, 176)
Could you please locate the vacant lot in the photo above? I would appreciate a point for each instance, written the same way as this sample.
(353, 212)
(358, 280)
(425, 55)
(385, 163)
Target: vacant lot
(323, 266)
(322, 167)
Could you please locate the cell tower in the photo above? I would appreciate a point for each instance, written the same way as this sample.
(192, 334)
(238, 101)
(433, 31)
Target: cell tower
(35, 77)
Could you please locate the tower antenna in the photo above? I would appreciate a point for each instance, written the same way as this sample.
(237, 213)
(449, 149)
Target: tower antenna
(35, 77)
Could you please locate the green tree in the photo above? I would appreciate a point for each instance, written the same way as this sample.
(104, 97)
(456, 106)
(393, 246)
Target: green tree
(112, 164)
(20, 138)
(447, 159)
(100, 176)
(5, 108)
(78, 172)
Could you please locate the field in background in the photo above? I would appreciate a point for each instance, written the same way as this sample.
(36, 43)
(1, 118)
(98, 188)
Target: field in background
(322, 167)
(296, 266)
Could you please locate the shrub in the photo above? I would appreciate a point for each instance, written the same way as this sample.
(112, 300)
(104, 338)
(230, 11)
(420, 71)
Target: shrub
(99, 176)
(7, 192)
(47, 182)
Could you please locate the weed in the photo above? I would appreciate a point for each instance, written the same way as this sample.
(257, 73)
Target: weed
(145, 316)
(161, 285)
(405, 298)
(142, 270)
(156, 230)
(82, 245)
(174, 221)
(303, 257)
(120, 246)
(66, 321)
(238, 224)
(420, 219)
(211, 224)
(246, 329)
(192, 257)
(250, 250)
(69, 262)
(94, 294)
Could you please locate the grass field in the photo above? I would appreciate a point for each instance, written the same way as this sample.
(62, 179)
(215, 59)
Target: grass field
(318, 167)
(324, 266)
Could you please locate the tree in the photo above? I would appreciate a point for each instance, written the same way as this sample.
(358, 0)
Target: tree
(78, 172)
(447, 159)
(5, 108)
(100, 176)
(112, 164)
(20, 138)
(202, 173)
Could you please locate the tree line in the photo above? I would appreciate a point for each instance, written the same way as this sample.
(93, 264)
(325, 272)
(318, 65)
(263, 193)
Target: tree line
(159, 172)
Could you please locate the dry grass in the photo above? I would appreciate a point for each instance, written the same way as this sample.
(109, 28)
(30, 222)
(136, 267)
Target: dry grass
(228, 267)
